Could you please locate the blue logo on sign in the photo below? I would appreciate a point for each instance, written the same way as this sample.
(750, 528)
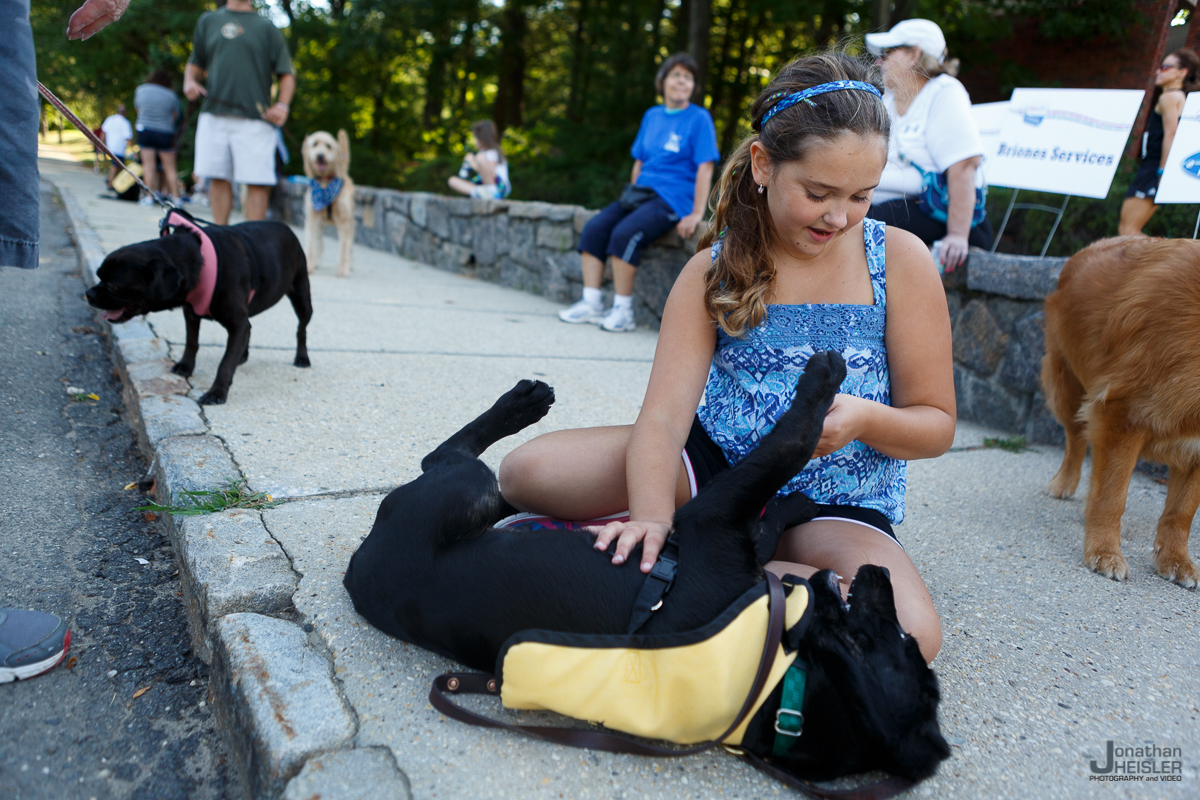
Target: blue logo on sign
(1191, 165)
(1034, 116)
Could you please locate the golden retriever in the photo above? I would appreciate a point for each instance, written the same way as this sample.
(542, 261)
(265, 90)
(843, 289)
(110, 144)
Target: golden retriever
(325, 160)
(1122, 373)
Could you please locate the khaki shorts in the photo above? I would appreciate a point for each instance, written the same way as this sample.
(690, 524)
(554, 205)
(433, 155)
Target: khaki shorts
(235, 149)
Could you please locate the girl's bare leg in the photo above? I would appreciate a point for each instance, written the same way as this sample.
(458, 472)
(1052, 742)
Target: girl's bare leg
(844, 547)
(574, 474)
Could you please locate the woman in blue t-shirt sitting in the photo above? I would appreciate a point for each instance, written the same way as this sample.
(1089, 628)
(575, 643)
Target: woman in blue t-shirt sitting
(674, 153)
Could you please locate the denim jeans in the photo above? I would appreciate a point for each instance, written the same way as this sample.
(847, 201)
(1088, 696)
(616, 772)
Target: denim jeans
(19, 211)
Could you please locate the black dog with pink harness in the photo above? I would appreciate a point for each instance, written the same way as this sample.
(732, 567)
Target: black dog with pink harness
(223, 273)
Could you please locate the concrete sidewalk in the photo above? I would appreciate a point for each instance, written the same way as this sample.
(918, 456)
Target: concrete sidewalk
(1043, 661)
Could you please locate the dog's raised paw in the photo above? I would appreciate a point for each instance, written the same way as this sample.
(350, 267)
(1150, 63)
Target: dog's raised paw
(523, 405)
(1110, 565)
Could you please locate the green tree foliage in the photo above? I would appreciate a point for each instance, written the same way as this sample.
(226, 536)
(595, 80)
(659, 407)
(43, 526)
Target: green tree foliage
(567, 80)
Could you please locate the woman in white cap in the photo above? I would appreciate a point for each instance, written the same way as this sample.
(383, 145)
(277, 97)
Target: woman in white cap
(932, 185)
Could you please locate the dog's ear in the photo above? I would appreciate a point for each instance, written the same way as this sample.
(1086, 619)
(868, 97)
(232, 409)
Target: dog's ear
(343, 155)
(304, 148)
(166, 282)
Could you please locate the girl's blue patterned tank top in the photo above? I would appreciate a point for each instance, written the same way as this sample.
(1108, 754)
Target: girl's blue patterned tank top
(752, 381)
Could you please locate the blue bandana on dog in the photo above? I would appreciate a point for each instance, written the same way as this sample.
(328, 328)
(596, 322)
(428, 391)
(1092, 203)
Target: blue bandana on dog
(323, 196)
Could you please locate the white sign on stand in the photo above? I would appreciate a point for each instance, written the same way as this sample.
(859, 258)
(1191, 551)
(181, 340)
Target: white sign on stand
(989, 117)
(1066, 141)
(1180, 182)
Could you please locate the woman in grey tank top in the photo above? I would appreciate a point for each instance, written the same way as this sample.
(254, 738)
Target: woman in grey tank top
(157, 115)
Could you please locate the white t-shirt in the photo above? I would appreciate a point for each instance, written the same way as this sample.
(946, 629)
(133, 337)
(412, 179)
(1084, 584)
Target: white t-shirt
(501, 167)
(937, 132)
(117, 133)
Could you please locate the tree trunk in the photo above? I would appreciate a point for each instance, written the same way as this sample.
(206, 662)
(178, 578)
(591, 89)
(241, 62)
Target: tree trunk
(435, 78)
(579, 48)
(510, 83)
(734, 108)
(722, 60)
(881, 14)
(699, 22)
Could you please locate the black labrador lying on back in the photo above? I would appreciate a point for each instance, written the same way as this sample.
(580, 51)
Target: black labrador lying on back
(434, 572)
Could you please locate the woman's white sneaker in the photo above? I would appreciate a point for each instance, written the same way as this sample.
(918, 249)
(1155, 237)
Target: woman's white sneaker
(581, 312)
(619, 320)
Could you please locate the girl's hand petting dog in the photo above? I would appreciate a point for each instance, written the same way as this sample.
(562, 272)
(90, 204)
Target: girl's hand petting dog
(652, 535)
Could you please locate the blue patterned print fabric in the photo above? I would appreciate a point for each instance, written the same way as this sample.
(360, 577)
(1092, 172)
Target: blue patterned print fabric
(323, 196)
(752, 381)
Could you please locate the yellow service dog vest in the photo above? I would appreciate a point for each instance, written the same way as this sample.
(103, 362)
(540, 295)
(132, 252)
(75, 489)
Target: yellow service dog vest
(681, 687)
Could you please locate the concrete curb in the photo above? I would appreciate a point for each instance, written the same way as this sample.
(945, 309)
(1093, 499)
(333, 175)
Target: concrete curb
(282, 712)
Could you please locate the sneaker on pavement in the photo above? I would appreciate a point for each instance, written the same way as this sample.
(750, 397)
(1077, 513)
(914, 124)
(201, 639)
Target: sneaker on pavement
(581, 312)
(619, 320)
(145, 200)
(31, 642)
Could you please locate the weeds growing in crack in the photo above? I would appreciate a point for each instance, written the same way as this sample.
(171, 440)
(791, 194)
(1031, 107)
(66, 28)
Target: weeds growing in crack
(212, 501)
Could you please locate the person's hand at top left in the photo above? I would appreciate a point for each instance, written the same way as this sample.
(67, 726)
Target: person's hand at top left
(94, 15)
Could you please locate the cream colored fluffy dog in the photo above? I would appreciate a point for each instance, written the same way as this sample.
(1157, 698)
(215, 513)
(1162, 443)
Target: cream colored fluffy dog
(330, 199)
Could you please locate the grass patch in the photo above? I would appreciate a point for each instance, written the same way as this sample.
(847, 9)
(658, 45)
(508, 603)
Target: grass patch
(213, 501)
(1013, 444)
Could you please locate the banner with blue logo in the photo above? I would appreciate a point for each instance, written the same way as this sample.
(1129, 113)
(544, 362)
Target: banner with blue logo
(1180, 182)
(1066, 141)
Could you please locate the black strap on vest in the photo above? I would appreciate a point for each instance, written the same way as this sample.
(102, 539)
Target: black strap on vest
(480, 683)
(656, 585)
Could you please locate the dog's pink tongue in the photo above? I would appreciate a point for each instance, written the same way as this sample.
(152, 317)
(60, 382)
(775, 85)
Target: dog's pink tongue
(111, 315)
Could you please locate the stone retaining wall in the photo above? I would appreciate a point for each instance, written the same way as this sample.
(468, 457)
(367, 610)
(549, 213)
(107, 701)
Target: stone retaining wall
(995, 301)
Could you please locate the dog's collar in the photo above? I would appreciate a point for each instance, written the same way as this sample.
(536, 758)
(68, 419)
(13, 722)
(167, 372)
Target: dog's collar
(200, 297)
(789, 719)
(323, 196)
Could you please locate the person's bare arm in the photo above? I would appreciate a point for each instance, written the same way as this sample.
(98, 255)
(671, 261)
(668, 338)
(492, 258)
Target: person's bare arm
(278, 113)
(919, 423)
(688, 224)
(685, 348)
(93, 16)
(485, 168)
(637, 170)
(960, 184)
(193, 89)
(1171, 105)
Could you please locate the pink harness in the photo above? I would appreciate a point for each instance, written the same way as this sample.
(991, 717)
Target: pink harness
(200, 297)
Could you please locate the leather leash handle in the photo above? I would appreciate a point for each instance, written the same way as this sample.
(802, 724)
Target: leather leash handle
(479, 683)
(888, 787)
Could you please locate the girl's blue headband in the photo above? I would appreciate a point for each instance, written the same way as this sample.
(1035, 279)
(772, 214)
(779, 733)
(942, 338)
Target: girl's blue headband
(803, 96)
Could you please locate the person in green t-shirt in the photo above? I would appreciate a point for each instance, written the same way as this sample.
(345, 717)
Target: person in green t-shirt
(238, 53)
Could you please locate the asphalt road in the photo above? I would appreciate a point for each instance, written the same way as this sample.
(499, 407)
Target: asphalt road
(128, 715)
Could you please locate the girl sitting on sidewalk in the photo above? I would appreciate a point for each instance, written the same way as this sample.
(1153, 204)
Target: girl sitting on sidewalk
(790, 267)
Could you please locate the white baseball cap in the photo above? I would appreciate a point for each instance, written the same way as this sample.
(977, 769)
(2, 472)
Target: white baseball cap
(922, 33)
